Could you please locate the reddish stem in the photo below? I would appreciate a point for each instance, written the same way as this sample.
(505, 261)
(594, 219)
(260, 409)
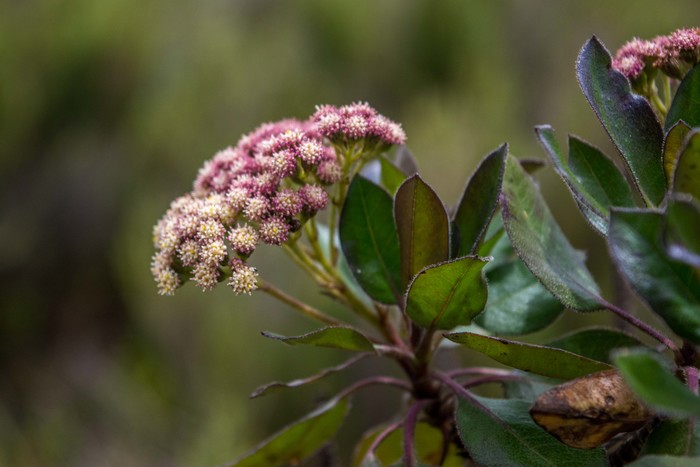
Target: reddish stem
(409, 433)
(691, 378)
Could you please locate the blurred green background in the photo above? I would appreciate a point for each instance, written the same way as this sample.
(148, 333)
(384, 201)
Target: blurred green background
(107, 110)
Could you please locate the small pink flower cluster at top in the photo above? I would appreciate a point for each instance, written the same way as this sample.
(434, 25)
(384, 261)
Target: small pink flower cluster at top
(673, 54)
(263, 189)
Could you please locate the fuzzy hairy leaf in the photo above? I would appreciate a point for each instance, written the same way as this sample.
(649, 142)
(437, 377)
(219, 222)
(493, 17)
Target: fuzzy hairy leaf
(392, 177)
(686, 102)
(541, 244)
(627, 117)
(686, 178)
(595, 343)
(674, 142)
(682, 226)
(369, 240)
(665, 461)
(671, 288)
(545, 361)
(344, 338)
(675, 437)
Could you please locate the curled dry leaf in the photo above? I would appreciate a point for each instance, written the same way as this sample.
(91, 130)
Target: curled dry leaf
(588, 411)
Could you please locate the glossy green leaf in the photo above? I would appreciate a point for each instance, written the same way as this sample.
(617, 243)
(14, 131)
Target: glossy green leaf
(595, 343)
(665, 461)
(392, 177)
(686, 178)
(671, 288)
(675, 437)
(299, 440)
(428, 441)
(423, 226)
(674, 142)
(627, 117)
(592, 178)
(652, 381)
(343, 338)
(501, 432)
(682, 237)
(529, 388)
(279, 386)
(686, 102)
(448, 294)
(541, 244)
(545, 361)
(479, 201)
(369, 240)
(518, 303)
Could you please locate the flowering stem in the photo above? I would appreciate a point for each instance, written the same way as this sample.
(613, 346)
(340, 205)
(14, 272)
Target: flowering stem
(641, 325)
(301, 307)
(691, 378)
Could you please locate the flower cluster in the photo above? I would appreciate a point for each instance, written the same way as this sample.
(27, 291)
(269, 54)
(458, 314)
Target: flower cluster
(673, 54)
(357, 121)
(261, 190)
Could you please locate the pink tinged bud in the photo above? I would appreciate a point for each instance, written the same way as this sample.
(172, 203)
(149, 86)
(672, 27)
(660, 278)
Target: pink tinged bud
(244, 279)
(311, 152)
(266, 183)
(685, 39)
(274, 230)
(213, 252)
(167, 281)
(630, 66)
(237, 198)
(256, 208)
(188, 253)
(205, 275)
(355, 127)
(210, 230)
(287, 203)
(329, 172)
(243, 239)
(314, 197)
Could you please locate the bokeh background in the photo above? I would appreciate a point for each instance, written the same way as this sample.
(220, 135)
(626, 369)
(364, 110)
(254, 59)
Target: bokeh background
(107, 110)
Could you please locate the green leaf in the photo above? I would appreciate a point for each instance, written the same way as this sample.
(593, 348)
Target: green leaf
(500, 432)
(299, 440)
(627, 117)
(541, 244)
(665, 461)
(448, 294)
(677, 437)
(649, 378)
(479, 201)
(545, 361)
(423, 226)
(518, 303)
(405, 161)
(279, 386)
(369, 240)
(682, 227)
(594, 343)
(686, 103)
(344, 338)
(591, 177)
(673, 145)
(392, 176)
(686, 178)
(671, 288)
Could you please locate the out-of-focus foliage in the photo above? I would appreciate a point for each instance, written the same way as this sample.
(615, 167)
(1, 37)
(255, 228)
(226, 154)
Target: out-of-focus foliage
(108, 108)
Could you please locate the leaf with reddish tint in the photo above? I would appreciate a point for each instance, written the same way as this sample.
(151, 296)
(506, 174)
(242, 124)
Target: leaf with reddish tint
(423, 227)
(686, 178)
(344, 338)
(627, 117)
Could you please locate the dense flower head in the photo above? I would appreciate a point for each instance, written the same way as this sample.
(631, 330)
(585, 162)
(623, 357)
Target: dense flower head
(355, 122)
(261, 190)
(673, 54)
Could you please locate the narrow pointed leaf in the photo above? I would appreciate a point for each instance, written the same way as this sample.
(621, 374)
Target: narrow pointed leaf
(541, 244)
(369, 240)
(518, 303)
(676, 437)
(392, 177)
(479, 201)
(449, 294)
(674, 142)
(423, 227)
(279, 386)
(686, 178)
(404, 160)
(682, 234)
(343, 338)
(665, 461)
(545, 361)
(592, 178)
(651, 380)
(595, 343)
(628, 118)
(671, 288)
(686, 102)
(500, 432)
(299, 440)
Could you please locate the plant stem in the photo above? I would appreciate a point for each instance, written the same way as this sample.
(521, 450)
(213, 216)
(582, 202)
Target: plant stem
(383, 380)
(409, 433)
(382, 436)
(644, 327)
(301, 307)
(691, 378)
